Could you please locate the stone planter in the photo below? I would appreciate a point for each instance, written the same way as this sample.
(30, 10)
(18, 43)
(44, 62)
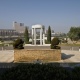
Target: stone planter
(31, 55)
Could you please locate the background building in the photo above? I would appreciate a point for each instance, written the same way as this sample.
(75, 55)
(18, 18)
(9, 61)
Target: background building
(18, 31)
(19, 27)
(8, 34)
(12, 34)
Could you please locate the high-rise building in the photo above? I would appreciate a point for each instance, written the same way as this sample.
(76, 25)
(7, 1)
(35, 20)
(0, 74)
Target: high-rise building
(19, 27)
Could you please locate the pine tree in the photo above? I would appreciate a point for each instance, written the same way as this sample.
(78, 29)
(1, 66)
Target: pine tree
(49, 35)
(26, 35)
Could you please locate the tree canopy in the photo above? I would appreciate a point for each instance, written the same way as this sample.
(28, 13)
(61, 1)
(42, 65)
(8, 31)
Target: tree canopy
(74, 33)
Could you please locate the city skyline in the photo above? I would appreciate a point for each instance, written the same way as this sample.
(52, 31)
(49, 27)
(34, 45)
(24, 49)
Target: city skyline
(59, 14)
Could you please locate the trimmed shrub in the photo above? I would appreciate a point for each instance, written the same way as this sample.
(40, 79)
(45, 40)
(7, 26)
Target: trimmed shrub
(36, 72)
(55, 47)
(18, 44)
(55, 41)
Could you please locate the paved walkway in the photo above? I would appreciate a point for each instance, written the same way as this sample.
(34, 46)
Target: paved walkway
(68, 56)
(6, 56)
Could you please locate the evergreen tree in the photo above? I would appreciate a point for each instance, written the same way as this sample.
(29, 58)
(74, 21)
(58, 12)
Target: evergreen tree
(49, 35)
(26, 35)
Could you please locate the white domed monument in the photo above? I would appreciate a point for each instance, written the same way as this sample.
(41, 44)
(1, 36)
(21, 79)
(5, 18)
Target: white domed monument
(41, 34)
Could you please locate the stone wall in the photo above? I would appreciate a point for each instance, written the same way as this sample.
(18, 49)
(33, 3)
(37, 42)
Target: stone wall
(29, 55)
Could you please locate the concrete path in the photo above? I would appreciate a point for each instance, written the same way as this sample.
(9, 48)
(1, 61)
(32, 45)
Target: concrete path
(69, 56)
(6, 56)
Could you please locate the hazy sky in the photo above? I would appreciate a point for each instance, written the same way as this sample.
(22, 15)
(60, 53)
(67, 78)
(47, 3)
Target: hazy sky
(59, 14)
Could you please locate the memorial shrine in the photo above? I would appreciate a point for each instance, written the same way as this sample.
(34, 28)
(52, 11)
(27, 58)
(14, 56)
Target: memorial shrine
(40, 38)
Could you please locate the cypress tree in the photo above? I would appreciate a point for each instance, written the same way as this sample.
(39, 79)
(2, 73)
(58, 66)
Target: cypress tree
(49, 35)
(26, 35)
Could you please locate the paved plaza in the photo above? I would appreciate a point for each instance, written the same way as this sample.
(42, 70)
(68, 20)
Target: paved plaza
(67, 56)
(6, 56)
(70, 56)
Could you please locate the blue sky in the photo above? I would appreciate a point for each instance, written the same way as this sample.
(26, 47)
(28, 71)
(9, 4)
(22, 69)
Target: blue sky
(59, 14)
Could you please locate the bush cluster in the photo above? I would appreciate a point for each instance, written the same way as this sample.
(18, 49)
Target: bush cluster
(41, 72)
(54, 43)
(18, 44)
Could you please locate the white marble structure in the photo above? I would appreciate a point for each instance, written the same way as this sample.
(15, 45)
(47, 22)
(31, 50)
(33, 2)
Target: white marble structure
(42, 34)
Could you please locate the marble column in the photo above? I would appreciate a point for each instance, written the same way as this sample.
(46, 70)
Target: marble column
(43, 39)
(41, 36)
(32, 36)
